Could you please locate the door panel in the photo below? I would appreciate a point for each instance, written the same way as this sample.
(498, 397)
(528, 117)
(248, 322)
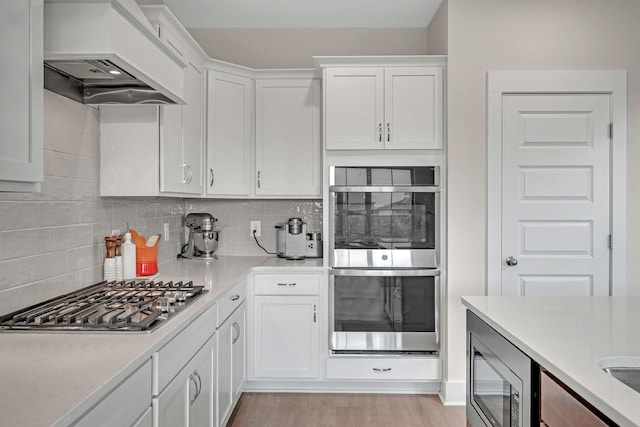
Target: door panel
(556, 194)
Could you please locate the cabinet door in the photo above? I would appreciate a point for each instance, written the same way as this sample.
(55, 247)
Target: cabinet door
(228, 134)
(286, 337)
(21, 44)
(354, 103)
(181, 139)
(193, 134)
(413, 108)
(288, 145)
(189, 399)
(225, 395)
(239, 351)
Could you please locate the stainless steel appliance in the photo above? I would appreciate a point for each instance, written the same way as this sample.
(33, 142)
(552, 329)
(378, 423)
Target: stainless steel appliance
(384, 310)
(501, 380)
(293, 242)
(106, 306)
(384, 225)
(203, 237)
(384, 217)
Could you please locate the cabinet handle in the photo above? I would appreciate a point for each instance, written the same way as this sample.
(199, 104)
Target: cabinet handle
(236, 328)
(211, 177)
(381, 369)
(197, 382)
(258, 179)
(189, 174)
(379, 132)
(388, 132)
(315, 314)
(184, 175)
(287, 284)
(235, 298)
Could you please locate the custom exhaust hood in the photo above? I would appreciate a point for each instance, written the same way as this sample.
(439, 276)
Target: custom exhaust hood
(106, 52)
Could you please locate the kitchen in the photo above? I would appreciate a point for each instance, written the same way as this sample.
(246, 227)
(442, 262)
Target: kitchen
(62, 251)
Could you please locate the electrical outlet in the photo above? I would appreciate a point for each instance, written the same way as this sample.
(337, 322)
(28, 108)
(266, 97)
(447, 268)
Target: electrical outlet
(255, 226)
(166, 232)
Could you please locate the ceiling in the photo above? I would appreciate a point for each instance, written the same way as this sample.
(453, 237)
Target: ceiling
(302, 13)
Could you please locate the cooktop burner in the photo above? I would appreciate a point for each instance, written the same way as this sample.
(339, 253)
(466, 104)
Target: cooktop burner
(134, 305)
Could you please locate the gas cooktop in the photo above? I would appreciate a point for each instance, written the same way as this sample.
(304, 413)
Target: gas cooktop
(131, 305)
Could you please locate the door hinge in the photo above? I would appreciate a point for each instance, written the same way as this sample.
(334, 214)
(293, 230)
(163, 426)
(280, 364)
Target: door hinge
(610, 241)
(610, 130)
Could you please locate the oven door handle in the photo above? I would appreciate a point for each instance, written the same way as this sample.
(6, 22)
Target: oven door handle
(384, 189)
(376, 272)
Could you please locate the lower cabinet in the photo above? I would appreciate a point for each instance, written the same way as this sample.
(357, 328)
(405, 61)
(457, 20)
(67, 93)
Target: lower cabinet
(285, 337)
(231, 362)
(559, 406)
(128, 404)
(285, 326)
(189, 400)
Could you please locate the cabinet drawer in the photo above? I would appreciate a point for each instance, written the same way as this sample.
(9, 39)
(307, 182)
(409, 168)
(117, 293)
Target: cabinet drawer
(370, 368)
(230, 301)
(559, 407)
(170, 359)
(125, 404)
(287, 284)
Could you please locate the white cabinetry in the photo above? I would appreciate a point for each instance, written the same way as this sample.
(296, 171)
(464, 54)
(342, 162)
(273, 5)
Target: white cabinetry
(383, 107)
(21, 120)
(232, 364)
(288, 143)
(184, 386)
(157, 150)
(189, 399)
(229, 134)
(285, 326)
(127, 404)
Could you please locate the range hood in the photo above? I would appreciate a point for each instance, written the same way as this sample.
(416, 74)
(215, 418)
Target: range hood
(106, 52)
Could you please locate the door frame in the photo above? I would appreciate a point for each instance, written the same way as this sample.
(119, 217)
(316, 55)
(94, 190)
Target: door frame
(611, 82)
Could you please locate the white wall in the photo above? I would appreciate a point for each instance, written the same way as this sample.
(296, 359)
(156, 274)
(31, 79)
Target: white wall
(295, 47)
(438, 31)
(522, 35)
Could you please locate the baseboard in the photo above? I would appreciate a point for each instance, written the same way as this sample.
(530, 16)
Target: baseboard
(453, 393)
(389, 387)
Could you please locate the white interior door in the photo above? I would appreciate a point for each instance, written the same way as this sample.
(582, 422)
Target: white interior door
(556, 158)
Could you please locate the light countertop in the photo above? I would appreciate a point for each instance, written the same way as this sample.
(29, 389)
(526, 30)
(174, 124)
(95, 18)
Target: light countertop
(53, 378)
(568, 336)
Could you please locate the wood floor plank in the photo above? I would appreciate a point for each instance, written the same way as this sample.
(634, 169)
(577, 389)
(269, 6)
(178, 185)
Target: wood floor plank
(344, 410)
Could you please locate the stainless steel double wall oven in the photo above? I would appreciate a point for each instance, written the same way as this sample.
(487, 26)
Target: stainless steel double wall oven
(384, 237)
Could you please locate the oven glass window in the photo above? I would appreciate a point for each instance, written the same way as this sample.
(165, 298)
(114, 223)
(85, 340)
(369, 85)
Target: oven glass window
(491, 391)
(384, 304)
(385, 220)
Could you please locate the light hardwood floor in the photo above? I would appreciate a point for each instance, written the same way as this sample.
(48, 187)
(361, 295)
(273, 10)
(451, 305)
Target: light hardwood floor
(344, 410)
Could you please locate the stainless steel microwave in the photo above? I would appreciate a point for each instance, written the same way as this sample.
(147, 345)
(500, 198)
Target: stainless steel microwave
(501, 381)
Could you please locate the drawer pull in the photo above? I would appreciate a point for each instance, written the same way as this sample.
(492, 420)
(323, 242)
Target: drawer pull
(287, 284)
(381, 369)
(235, 298)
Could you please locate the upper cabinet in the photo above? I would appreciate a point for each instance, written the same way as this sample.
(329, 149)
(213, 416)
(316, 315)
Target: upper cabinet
(288, 144)
(150, 150)
(21, 121)
(373, 105)
(229, 134)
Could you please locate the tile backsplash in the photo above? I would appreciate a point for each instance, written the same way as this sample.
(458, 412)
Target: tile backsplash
(234, 218)
(52, 242)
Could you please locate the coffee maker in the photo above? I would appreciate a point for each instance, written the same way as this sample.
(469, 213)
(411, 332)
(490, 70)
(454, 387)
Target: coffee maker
(293, 242)
(203, 238)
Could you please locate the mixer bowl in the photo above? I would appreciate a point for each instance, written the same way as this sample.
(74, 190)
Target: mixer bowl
(206, 241)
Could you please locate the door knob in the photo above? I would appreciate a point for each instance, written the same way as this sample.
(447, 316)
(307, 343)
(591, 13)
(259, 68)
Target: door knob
(511, 261)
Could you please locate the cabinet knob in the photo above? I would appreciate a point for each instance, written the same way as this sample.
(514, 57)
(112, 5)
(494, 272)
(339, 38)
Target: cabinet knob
(511, 261)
